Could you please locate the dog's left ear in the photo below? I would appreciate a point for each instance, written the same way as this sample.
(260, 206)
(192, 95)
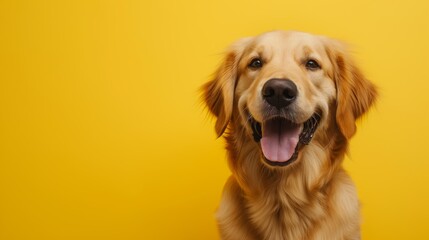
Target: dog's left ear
(218, 94)
(355, 93)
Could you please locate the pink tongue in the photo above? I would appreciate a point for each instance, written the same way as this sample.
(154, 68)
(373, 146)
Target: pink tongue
(279, 139)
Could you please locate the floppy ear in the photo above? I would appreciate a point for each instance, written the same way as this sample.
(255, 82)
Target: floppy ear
(355, 94)
(218, 94)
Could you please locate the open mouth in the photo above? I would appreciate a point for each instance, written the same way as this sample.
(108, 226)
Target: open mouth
(281, 139)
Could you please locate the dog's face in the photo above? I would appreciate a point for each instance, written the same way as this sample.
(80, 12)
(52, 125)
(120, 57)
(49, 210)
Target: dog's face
(283, 88)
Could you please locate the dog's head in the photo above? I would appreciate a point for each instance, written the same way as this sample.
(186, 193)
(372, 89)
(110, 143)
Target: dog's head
(286, 88)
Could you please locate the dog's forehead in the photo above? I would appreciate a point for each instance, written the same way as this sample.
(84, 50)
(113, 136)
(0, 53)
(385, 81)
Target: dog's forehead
(288, 41)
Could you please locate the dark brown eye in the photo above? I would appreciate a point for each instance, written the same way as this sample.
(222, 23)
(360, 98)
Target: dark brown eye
(256, 63)
(312, 65)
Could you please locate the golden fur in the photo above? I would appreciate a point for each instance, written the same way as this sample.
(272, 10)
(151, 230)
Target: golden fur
(313, 197)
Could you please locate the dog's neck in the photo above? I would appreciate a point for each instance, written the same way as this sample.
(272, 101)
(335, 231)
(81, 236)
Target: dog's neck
(257, 179)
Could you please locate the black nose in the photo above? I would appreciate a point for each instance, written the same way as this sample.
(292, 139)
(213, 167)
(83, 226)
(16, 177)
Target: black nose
(279, 92)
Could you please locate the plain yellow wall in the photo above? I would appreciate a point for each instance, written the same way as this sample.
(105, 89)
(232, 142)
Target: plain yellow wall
(102, 135)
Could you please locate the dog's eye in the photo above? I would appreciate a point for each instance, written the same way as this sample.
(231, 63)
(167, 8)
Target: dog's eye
(312, 65)
(255, 63)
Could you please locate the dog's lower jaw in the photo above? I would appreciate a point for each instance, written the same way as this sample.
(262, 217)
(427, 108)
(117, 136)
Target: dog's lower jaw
(305, 130)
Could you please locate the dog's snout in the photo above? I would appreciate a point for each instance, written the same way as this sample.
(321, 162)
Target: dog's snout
(279, 92)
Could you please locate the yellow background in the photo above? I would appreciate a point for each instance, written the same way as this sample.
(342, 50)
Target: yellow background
(102, 135)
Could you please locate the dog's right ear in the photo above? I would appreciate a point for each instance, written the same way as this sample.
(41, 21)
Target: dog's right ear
(218, 94)
(355, 93)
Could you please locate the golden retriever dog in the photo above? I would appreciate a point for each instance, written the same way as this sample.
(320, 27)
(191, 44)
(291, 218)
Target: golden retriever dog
(286, 104)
